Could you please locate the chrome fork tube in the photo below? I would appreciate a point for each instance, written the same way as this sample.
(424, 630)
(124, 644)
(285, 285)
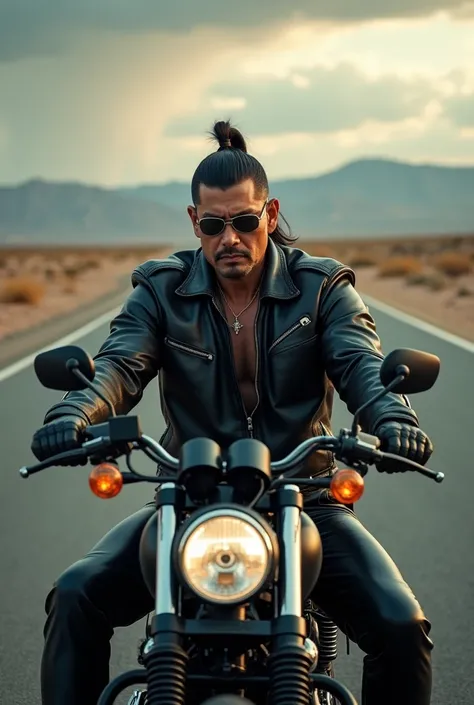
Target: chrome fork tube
(166, 528)
(290, 586)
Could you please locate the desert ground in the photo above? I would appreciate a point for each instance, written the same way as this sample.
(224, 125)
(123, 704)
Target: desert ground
(431, 278)
(38, 285)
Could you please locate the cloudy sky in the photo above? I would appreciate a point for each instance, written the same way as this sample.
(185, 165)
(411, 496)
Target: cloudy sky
(123, 91)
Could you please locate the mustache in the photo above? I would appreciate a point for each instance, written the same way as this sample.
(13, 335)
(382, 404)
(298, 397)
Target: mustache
(228, 252)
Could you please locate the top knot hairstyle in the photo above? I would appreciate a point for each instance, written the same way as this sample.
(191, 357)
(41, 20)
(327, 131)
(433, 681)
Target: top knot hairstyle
(230, 165)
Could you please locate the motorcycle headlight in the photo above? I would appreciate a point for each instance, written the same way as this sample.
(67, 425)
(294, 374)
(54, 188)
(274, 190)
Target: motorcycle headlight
(225, 556)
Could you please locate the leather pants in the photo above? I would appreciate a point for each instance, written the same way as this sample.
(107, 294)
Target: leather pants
(360, 588)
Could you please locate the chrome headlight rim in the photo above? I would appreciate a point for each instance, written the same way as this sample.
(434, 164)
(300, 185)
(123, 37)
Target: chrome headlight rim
(238, 511)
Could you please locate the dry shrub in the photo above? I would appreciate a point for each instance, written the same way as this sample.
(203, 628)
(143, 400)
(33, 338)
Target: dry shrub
(435, 282)
(90, 264)
(50, 273)
(22, 290)
(362, 259)
(463, 291)
(121, 256)
(320, 250)
(400, 267)
(417, 279)
(452, 264)
(73, 269)
(409, 248)
(69, 287)
(71, 272)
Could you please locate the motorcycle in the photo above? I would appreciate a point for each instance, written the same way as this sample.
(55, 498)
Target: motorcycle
(234, 555)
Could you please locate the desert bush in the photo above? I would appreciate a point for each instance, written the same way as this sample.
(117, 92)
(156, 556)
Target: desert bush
(436, 282)
(452, 264)
(72, 271)
(90, 264)
(362, 259)
(408, 248)
(417, 279)
(50, 273)
(22, 290)
(319, 250)
(463, 291)
(433, 281)
(121, 256)
(69, 287)
(399, 267)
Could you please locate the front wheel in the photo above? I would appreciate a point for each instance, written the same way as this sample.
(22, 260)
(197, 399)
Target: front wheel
(322, 697)
(138, 698)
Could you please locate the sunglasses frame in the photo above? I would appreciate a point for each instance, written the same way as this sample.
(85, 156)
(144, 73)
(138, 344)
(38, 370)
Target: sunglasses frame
(231, 222)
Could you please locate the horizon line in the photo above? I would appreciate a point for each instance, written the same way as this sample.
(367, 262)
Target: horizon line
(340, 167)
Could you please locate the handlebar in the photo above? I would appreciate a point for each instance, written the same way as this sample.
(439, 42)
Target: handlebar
(353, 450)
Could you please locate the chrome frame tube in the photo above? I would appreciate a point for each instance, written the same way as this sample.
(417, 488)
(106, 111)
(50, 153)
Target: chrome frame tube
(290, 586)
(166, 529)
(166, 459)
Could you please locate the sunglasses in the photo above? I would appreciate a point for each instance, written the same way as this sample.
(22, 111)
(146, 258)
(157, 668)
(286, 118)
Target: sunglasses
(246, 223)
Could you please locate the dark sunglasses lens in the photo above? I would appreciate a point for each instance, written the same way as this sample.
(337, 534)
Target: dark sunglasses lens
(246, 223)
(211, 226)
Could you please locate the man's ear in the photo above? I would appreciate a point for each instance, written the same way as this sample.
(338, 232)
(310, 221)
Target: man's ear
(273, 209)
(193, 216)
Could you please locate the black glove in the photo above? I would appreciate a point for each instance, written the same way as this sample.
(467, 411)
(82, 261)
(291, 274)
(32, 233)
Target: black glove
(58, 436)
(406, 441)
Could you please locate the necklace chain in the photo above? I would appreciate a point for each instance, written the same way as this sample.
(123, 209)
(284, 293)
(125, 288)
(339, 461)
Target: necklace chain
(237, 325)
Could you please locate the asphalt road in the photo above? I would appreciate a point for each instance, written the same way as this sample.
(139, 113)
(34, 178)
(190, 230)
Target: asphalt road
(49, 520)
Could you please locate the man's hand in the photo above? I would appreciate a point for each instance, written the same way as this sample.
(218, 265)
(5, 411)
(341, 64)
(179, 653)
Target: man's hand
(406, 441)
(62, 434)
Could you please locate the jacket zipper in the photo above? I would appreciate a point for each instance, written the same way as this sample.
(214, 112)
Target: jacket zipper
(186, 348)
(249, 419)
(303, 321)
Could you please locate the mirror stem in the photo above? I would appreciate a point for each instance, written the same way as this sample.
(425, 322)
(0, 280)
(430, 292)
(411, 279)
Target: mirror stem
(403, 373)
(73, 365)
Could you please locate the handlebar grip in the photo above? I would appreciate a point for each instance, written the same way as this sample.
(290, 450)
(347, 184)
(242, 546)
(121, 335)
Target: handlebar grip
(391, 463)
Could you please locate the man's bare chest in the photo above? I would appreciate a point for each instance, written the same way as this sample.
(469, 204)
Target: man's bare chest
(244, 352)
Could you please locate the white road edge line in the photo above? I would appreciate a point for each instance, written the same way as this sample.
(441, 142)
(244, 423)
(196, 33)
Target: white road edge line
(418, 323)
(20, 365)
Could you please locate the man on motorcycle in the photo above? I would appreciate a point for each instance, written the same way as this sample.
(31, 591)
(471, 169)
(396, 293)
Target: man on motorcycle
(247, 336)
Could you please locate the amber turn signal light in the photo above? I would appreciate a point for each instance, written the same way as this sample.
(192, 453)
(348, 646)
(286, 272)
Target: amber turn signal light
(105, 480)
(347, 486)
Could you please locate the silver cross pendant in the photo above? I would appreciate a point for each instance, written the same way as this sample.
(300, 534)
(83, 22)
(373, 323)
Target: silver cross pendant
(236, 325)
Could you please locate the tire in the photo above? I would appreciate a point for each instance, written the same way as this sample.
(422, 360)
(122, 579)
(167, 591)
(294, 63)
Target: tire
(324, 697)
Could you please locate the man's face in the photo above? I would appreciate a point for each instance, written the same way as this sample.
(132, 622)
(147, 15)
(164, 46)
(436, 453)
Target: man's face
(234, 254)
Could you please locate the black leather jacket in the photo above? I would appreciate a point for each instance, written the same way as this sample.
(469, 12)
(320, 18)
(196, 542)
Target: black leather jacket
(312, 332)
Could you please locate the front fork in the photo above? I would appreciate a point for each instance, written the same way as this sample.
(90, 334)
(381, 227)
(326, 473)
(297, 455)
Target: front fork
(290, 661)
(163, 655)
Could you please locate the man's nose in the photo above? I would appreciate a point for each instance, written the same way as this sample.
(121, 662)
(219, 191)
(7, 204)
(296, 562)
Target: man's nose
(229, 236)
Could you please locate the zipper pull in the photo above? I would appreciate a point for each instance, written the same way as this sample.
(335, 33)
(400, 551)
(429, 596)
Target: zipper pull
(250, 426)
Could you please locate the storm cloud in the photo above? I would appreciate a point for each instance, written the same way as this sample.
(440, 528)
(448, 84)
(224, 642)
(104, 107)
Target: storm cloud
(321, 100)
(46, 27)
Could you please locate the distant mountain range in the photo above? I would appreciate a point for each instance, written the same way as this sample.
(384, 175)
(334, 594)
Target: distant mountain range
(365, 198)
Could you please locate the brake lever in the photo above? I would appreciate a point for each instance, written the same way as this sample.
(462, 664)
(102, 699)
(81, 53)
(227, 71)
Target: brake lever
(75, 454)
(390, 459)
